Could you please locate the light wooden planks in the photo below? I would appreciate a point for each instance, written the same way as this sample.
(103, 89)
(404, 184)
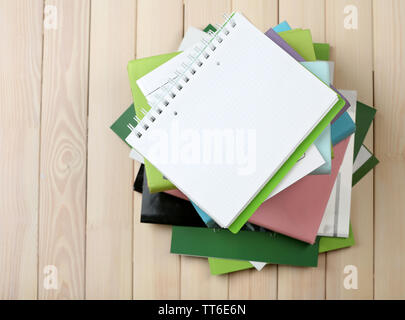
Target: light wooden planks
(294, 282)
(20, 98)
(352, 52)
(56, 186)
(156, 271)
(251, 284)
(305, 14)
(63, 151)
(389, 77)
(262, 13)
(110, 171)
(199, 14)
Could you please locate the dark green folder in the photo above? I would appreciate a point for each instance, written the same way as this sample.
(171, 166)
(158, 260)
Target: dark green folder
(365, 168)
(122, 125)
(364, 117)
(245, 245)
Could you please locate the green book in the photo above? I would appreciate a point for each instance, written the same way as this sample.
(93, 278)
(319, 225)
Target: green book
(322, 51)
(301, 41)
(222, 266)
(364, 118)
(210, 27)
(122, 126)
(246, 245)
(364, 163)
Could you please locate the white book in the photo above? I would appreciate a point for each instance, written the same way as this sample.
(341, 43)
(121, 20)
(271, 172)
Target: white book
(336, 220)
(239, 82)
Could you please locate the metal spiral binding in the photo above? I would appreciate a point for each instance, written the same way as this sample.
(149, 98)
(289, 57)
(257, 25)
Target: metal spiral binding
(203, 51)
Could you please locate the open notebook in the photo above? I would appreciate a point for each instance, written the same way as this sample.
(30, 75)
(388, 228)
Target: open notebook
(260, 89)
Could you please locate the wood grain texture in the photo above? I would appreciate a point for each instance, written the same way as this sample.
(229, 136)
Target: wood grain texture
(20, 99)
(156, 271)
(389, 57)
(293, 282)
(251, 284)
(110, 171)
(60, 161)
(305, 14)
(199, 14)
(352, 52)
(63, 150)
(262, 13)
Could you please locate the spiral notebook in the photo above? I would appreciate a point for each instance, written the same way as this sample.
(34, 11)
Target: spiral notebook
(239, 69)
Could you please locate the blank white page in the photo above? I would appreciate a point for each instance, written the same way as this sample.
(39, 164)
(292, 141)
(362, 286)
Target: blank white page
(248, 84)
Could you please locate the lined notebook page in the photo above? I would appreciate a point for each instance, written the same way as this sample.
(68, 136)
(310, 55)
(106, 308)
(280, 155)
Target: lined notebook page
(247, 85)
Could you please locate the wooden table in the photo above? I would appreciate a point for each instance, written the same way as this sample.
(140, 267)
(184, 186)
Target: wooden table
(66, 198)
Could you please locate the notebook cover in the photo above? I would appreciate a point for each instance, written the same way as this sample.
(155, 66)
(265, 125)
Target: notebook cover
(322, 51)
(246, 245)
(364, 117)
(262, 195)
(326, 244)
(137, 69)
(301, 41)
(297, 55)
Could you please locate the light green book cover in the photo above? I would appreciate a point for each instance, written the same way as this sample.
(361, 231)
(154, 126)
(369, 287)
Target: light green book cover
(301, 41)
(136, 70)
(222, 266)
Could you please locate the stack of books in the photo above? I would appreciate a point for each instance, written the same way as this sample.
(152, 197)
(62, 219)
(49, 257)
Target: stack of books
(248, 149)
